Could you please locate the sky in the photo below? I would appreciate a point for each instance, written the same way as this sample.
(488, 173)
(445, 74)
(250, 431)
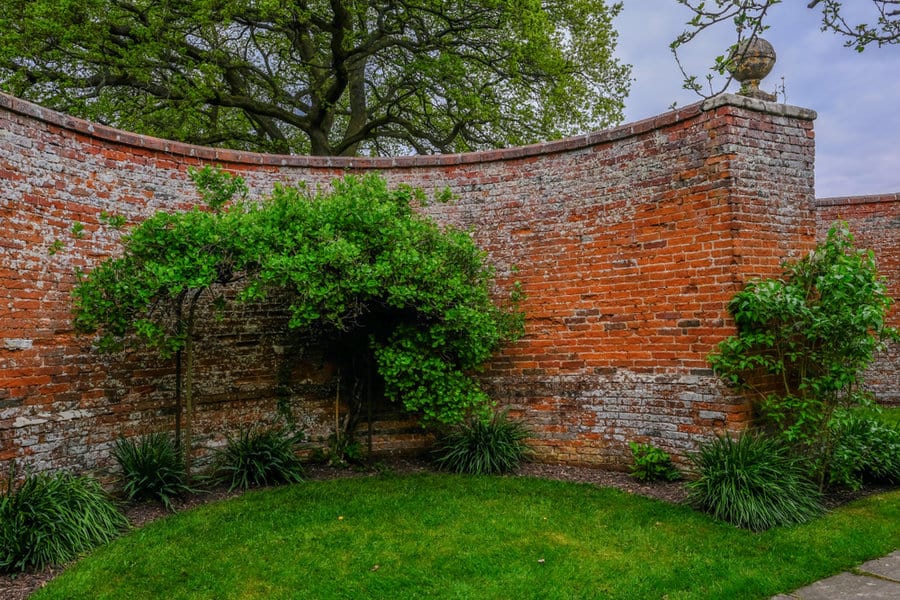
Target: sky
(856, 95)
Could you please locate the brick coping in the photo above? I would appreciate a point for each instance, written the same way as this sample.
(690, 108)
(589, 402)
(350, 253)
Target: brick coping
(578, 142)
(846, 200)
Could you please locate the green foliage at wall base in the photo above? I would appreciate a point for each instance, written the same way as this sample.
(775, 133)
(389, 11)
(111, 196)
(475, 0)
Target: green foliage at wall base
(652, 464)
(256, 458)
(804, 341)
(483, 446)
(51, 518)
(152, 468)
(752, 482)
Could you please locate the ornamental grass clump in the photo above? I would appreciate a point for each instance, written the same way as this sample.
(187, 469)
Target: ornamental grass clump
(257, 458)
(51, 518)
(483, 447)
(753, 482)
(152, 468)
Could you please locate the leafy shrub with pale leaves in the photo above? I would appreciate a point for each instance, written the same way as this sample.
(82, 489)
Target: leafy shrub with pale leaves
(256, 458)
(753, 482)
(652, 463)
(481, 447)
(51, 518)
(152, 468)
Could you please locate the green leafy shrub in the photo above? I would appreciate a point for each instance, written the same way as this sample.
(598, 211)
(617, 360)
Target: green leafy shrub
(51, 518)
(753, 482)
(652, 464)
(343, 451)
(256, 458)
(152, 468)
(362, 273)
(360, 264)
(867, 451)
(481, 447)
(804, 340)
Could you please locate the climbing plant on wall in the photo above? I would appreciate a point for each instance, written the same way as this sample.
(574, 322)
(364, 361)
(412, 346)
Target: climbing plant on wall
(169, 264)
(362, 267)
(361, 270)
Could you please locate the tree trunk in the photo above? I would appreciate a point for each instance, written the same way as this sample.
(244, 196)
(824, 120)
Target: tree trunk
(189, 384)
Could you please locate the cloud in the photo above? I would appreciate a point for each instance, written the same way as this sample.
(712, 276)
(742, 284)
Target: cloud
(857, 96)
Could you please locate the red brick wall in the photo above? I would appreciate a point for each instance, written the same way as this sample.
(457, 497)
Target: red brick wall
(875, 224)
(628, 243)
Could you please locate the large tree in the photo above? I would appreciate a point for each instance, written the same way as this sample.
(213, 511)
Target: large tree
(326, 77)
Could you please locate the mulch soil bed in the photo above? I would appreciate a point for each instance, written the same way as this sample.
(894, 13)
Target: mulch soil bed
(20, 586)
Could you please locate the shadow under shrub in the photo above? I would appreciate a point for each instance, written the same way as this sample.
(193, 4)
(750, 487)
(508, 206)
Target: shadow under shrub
(753, 482)
(51, 518)
(257, 458)
(152, 468)
(482, 447)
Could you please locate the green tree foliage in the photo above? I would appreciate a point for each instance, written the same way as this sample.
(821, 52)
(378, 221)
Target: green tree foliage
(170, 262)
(363, 267)
(804, 339)
(327, 78)
(362, 271)
(750, 18)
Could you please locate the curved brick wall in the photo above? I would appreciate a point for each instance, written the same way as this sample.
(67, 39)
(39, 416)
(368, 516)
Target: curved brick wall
(628, 243)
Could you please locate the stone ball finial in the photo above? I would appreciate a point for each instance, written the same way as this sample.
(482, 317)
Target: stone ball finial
(750, 62)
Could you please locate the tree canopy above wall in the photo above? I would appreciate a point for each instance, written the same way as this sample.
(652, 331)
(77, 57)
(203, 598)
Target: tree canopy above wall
(324, 78)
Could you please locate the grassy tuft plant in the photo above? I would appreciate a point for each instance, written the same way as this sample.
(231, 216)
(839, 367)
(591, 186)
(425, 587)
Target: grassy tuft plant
(51, 518)
(152, 468)
(652, 464)
(257, 458)
(482, 447)
(752, 482)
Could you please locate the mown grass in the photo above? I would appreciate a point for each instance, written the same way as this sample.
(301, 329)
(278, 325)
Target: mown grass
(447, 536)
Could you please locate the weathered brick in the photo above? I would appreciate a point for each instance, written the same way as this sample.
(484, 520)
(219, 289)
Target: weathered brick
(628, 244)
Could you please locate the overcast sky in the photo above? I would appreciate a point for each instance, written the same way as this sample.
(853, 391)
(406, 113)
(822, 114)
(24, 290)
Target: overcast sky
(857, 96)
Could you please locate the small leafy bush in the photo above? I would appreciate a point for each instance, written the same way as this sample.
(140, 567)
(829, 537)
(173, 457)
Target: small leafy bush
(343, 451)
(867, 451)
(152, 468)
(481, 447)
(51, 518)
(258, 457)
(752, 482)
(804, 340)
(652, 464)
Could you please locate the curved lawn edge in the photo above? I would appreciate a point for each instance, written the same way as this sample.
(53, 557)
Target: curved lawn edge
(448, 536)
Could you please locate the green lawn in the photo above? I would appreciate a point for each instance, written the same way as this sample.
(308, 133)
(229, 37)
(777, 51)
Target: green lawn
(445, 536)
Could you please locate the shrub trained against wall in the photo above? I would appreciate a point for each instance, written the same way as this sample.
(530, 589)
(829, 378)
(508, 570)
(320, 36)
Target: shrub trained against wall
(361, 267)
(358, 268)
(628, 244)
